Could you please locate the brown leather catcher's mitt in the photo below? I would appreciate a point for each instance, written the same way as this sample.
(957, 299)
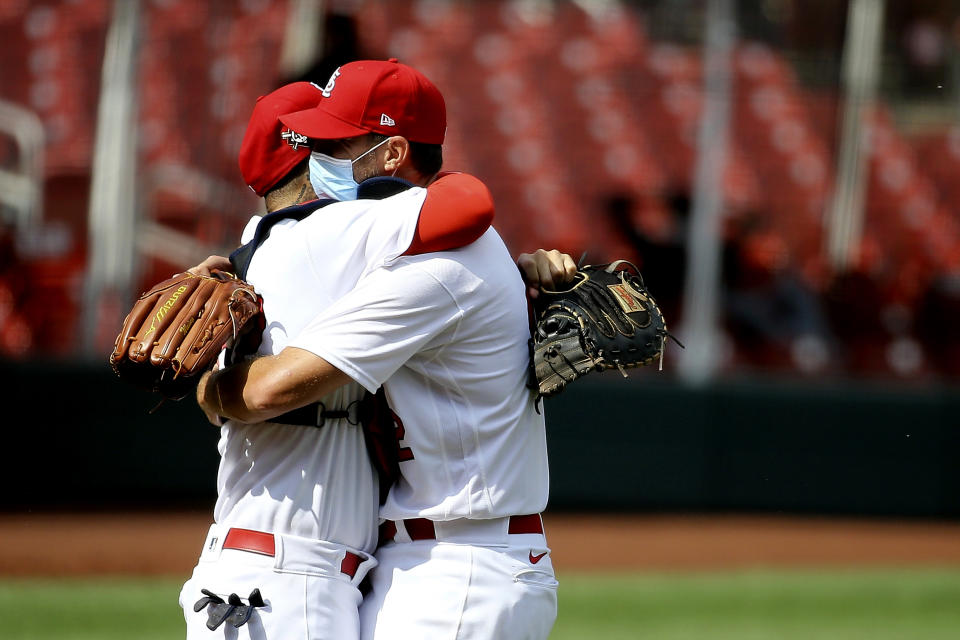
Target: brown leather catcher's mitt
(176, 330)
(606, 319)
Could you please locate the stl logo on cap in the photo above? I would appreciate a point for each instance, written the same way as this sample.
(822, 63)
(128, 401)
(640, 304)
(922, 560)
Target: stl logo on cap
(374, 96)
(331, 83)
(294, 139)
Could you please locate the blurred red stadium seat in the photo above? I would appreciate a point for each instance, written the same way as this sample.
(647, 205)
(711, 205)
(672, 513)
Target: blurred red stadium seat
(554, 105)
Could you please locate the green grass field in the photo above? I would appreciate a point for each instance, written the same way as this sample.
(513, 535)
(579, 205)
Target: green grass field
(879, 605)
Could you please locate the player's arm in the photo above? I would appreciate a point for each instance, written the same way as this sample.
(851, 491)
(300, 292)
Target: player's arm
(365, 336)
(260, 389)
(263, 388)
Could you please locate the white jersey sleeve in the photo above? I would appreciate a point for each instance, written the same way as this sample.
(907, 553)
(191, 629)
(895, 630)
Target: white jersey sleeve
(303, 266)
(390, 226)
(372, 331)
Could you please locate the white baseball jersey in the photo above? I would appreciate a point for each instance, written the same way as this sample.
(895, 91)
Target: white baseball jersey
(446, 335)
(300, 480)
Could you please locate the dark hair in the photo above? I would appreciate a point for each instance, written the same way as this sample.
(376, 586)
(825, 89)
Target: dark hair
(426, 158)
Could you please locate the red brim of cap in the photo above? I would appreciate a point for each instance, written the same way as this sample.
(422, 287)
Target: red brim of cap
(319, 125)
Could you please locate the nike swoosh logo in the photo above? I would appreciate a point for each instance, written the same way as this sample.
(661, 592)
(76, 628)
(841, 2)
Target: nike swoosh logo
(535, 559)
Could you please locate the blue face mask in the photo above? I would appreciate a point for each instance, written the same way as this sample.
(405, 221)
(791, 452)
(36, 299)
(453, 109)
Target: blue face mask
(333, 177)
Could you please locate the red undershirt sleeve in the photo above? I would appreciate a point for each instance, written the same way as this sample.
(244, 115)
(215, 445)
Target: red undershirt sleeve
(458, 210)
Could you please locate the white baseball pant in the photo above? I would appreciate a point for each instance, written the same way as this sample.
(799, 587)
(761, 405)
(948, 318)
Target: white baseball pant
(472, 581)
(309, 587)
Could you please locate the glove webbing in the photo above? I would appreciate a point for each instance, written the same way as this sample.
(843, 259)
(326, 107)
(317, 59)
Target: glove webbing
(611, 318)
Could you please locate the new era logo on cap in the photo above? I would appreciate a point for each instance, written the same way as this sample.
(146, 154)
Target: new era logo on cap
(386, 121)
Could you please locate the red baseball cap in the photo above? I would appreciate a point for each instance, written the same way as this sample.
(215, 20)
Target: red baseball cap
(265, 155)
(372, 96)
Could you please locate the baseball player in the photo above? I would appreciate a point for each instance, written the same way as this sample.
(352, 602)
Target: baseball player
(445, 334)
(295, 518)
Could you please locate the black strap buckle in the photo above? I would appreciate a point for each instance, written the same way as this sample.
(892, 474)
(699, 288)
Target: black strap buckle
(317, 414)
(351, 414)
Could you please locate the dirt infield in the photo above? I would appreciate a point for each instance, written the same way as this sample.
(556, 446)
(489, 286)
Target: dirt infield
(168, 543)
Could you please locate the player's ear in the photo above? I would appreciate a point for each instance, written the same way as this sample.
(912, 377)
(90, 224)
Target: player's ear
(396, 155)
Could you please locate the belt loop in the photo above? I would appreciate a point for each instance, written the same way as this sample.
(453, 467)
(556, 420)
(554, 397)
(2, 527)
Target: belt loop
(350, 563)
(386, 532)
(420, 529)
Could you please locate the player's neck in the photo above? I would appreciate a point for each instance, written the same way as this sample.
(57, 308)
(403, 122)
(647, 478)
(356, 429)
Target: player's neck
(290, 195)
